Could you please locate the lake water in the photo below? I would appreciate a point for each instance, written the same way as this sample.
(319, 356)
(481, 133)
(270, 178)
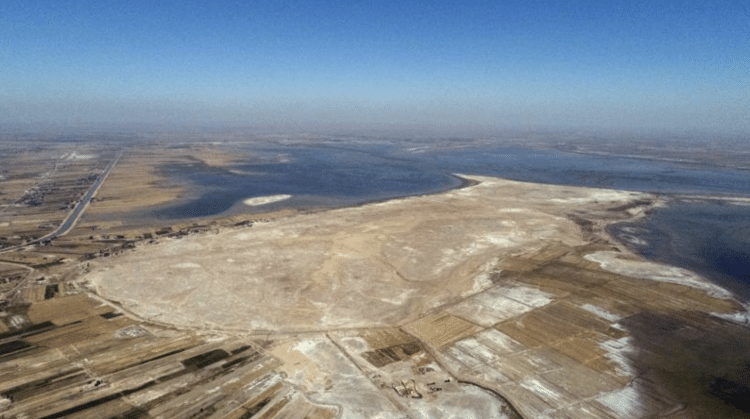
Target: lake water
(711, 237)
(706, 236)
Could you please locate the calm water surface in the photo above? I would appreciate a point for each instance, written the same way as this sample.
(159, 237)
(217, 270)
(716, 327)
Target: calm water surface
(706, 236)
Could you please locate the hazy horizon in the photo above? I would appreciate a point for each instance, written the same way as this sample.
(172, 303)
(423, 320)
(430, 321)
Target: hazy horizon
(680, 67)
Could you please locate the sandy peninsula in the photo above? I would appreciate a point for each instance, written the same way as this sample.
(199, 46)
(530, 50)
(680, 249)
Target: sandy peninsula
(503, 290)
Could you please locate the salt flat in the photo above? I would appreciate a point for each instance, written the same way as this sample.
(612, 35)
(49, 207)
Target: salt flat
(502, 293)
(375, 265)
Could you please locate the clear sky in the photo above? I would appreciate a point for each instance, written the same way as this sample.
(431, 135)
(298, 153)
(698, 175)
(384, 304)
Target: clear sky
(673, 65)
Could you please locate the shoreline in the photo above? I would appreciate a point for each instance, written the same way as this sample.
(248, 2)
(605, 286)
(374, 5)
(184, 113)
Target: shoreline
(658, 237)
(601, 221)
(502, 273)
(143, 218)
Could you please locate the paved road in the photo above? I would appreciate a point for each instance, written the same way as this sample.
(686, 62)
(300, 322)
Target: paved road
(74, 215)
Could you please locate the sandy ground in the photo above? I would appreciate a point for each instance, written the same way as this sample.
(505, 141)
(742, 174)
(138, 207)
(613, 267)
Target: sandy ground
(376, 265)
(263, 200)
(135, 183)
(502, 299)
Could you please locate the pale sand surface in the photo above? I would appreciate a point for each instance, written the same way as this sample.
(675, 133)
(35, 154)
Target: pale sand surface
(513, 287)
(374, 265)
(263, 200)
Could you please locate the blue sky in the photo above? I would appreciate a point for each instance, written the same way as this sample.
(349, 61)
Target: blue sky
(663, 65)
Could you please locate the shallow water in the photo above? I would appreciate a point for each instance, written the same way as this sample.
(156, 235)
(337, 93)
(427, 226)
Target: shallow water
(709, 237)
(706, 236)
(326, 176)
(597, 171)
(313, 176)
